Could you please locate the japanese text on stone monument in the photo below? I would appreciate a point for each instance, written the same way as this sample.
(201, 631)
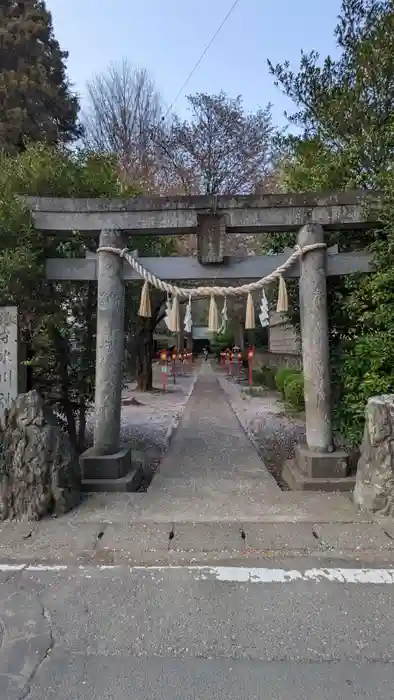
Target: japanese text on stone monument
(8, 356)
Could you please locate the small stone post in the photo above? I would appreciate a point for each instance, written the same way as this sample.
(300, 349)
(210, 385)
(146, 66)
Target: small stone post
(315, 341)
(110, 345)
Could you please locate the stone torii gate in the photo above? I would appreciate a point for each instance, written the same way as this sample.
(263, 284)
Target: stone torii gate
(108, 467)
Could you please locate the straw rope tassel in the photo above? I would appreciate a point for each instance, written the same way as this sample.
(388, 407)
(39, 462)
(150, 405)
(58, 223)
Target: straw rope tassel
(250, 322)
(145, 308)
(283, 302)
(213, 323)
(176, 321)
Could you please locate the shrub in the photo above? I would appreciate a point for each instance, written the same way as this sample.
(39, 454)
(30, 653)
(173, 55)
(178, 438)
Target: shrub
(282, 374)
(366, 370)
(294, 390)
(265, 376)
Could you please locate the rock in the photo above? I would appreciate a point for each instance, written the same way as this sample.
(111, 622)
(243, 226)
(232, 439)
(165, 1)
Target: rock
(39, 469)
(374, 490)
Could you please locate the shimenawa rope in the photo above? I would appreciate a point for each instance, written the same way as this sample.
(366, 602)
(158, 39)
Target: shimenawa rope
(209, 291)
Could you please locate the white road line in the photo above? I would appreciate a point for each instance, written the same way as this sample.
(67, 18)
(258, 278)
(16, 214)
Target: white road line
(234, 574)
(241, 574)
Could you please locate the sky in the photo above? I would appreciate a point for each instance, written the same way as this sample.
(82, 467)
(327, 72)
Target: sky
(167, 37)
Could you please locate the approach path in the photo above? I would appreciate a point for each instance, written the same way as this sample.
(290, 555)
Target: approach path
(211, 464)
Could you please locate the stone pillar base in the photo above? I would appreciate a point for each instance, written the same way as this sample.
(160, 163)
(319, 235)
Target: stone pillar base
(318, 465)
(316, 471)
(116, 472)
(297, 481)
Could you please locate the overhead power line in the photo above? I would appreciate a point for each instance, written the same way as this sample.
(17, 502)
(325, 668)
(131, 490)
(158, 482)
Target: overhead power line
(208, 46)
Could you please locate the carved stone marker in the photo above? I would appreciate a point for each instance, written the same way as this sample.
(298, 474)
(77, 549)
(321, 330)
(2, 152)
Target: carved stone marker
(8, 356)
(374, 490)
(40, 473)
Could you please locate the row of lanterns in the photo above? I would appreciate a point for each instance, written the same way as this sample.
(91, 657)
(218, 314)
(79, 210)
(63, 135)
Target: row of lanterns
(229, 356)
(226, 357)
(232, 361)
(166, 356)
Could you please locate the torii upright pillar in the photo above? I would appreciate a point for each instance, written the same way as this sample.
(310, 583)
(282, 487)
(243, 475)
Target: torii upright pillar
(109, 345)
(106, 466)
(317, 465)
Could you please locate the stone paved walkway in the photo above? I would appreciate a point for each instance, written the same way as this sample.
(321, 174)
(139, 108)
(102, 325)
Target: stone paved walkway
(211, 462)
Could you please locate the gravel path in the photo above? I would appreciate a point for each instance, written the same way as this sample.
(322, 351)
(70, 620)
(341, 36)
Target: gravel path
(267, 422)
(148, 420)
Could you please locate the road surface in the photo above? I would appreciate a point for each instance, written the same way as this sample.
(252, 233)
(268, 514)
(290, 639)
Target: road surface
(182, 633)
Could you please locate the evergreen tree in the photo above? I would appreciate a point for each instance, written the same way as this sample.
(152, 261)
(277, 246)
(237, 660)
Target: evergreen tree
(36, 103)
(345, 107)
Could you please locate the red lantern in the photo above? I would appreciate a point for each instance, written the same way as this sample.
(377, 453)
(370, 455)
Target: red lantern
(250, 360)
(163, 357)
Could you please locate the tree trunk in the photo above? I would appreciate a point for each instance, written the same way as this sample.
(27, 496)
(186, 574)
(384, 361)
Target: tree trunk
(145, 346)
(144, 354)
(63, 352)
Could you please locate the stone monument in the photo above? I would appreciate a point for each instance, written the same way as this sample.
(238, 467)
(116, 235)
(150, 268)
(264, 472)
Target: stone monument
(374, 490)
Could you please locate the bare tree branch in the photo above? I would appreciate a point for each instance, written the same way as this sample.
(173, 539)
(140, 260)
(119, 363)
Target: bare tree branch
(221, 149)
(124, 109)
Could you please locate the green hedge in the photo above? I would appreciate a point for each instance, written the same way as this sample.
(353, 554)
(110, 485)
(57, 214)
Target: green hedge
(282, 375)
(290, 383)
(293, 390)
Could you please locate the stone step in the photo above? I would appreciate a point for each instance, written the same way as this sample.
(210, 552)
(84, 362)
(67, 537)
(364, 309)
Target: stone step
(66, 541)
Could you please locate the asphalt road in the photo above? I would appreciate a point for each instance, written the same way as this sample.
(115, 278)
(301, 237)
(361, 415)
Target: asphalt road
(183, 634)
